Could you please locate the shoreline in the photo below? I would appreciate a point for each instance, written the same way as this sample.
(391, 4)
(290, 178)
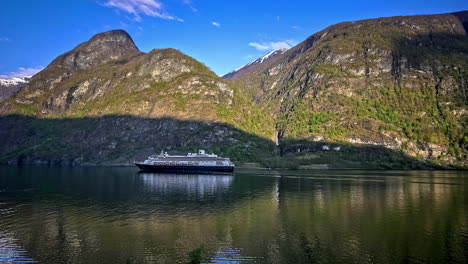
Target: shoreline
(240, 167)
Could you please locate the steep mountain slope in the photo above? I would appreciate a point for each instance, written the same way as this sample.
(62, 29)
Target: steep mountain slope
(397, 82)
(9, 86)
(105, 101)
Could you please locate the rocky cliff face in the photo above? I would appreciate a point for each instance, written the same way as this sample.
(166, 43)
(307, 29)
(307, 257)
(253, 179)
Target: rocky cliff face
(397, 82)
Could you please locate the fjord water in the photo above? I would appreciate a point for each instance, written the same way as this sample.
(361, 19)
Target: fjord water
(116, 215)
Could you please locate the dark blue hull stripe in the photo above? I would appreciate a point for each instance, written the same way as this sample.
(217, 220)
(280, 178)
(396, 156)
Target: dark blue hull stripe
(173, 168)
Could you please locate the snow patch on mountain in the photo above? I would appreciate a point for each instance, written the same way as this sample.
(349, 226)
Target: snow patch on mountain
(9, 86)
(14, 81)
(275, 52)
(259, 60)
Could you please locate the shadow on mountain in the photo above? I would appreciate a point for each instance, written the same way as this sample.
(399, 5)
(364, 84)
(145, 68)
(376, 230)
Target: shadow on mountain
(434, 49)
(307, 154)
(119, 139)
(463, 16)
(442, 55)
(444, 94)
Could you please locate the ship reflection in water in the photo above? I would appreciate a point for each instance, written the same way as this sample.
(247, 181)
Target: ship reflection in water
(199, 184)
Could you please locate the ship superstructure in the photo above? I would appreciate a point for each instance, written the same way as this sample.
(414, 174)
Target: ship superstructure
(192, 162)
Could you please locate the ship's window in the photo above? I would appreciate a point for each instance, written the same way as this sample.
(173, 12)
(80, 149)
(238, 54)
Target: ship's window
(219, 163)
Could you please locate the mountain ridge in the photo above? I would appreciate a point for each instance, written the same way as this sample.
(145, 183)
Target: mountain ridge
(309, 41)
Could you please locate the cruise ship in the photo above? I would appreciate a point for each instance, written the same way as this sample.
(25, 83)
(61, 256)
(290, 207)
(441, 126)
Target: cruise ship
(192, 162)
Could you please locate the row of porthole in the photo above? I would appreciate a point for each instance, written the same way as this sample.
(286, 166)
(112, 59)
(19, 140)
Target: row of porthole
(174, 163)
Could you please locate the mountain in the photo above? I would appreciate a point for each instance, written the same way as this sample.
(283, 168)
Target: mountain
(99, 50)
(251, 66)
(107, 102)
(378, 93)
(395, 82)
(9, 86)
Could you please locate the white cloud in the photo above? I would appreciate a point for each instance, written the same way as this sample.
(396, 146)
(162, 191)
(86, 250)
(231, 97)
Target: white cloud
(216, 24)
(152, 8)
(273, 45)
(259, 46)
(22, 72)
(2, 39)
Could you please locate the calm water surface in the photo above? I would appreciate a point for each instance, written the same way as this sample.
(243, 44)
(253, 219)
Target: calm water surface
(113, 215)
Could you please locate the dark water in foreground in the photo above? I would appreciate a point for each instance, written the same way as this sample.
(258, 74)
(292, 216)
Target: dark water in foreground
(112, 215)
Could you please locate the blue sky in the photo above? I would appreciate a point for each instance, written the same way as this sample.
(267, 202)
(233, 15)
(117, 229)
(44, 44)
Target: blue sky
(222, 34)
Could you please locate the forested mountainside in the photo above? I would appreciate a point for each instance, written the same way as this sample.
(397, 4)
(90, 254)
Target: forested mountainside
(396, 82)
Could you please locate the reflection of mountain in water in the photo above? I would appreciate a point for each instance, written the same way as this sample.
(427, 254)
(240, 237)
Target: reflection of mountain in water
(117, 192)
(287, 217)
